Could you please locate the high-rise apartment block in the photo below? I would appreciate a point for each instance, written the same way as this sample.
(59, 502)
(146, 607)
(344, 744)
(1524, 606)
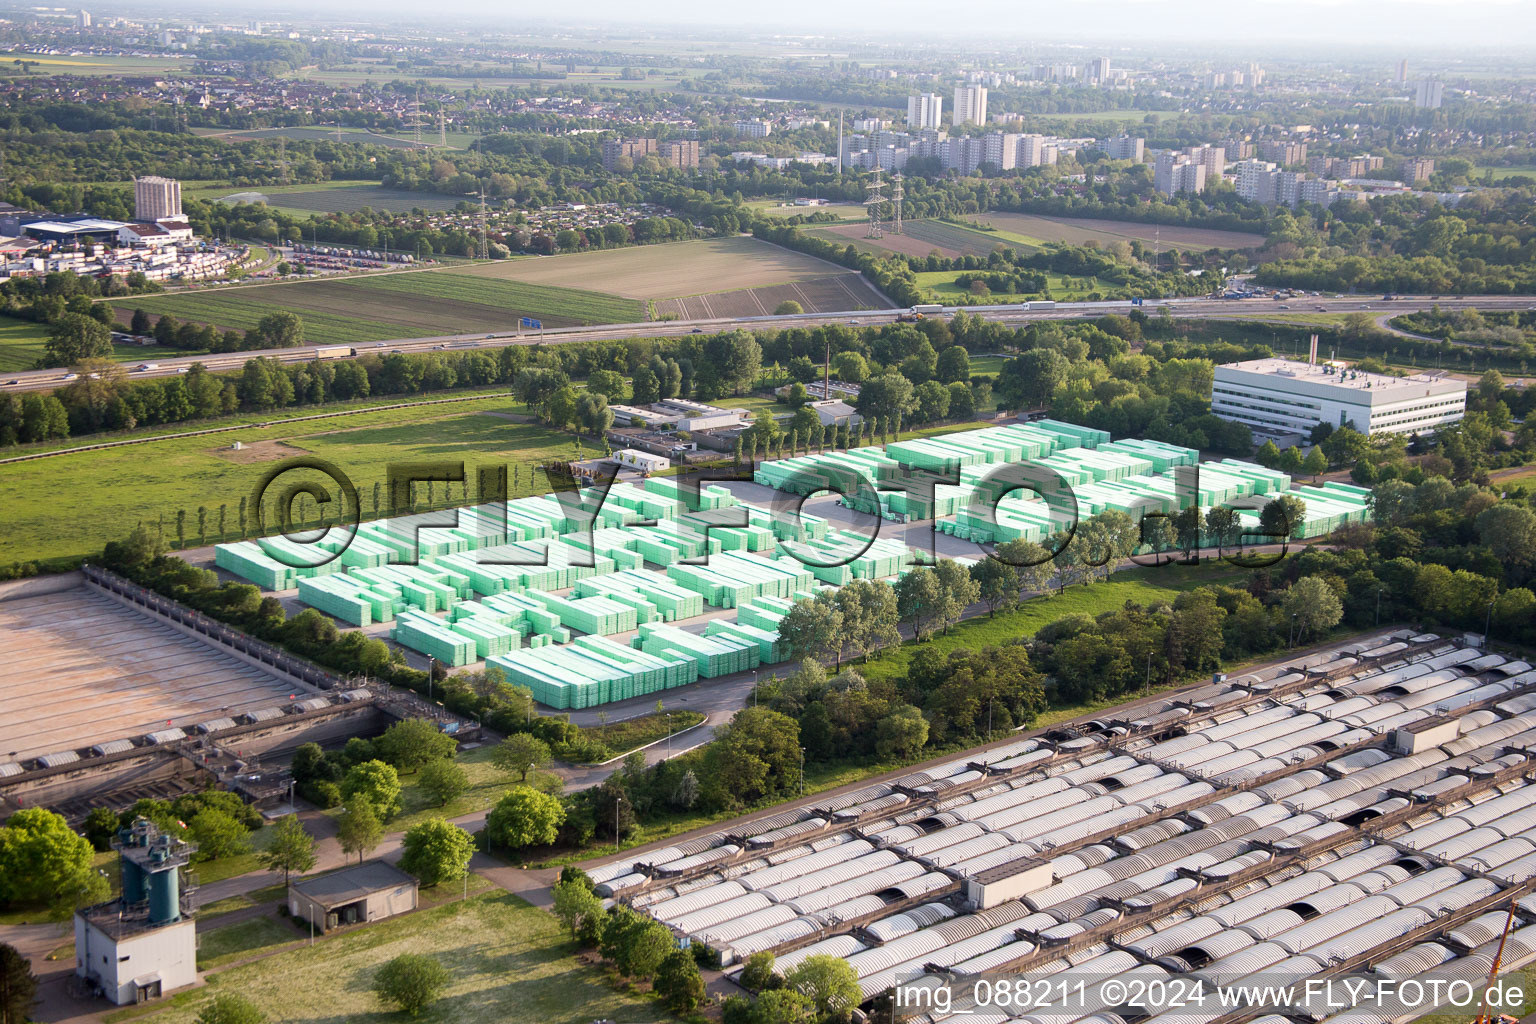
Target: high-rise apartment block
(1283, 152)
(156, 198)
(753, 129)
(925, 110)
(1237, 149)
(671, 152)
(1212, 158)
(1418, 168)
(1124, 147)
(970, 105)
(1428, 94)
(1175, 172)
(1098, 70)
(679, 152)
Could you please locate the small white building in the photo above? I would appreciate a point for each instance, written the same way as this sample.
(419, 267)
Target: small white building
(677, 414)
(645, 462)
(1279, 397)
(836, 412)
(355, 895)
(143, 944)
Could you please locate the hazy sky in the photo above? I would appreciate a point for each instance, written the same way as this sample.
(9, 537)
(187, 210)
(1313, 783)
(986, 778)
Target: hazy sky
(1438, 25)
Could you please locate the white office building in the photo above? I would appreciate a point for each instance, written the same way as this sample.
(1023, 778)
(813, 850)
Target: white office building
(156, 198)
(925, 110)
(970, 105)
(1282, 397)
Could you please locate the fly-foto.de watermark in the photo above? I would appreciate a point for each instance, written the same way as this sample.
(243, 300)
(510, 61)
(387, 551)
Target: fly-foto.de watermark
(284, 493)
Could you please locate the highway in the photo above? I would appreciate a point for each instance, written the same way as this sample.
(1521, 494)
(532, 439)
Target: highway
(1206, 308)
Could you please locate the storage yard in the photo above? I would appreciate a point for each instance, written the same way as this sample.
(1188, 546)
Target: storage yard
(104, 674)
(588, 599)
(1365, 812)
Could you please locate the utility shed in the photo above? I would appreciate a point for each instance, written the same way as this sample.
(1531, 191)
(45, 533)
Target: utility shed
(1016, 878)
(368, 892)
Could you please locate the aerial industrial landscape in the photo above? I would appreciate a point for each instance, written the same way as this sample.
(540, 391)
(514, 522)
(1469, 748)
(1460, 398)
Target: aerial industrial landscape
(805, 516)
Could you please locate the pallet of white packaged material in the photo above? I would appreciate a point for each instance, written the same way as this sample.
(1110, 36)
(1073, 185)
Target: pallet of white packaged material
(673, 601)
(714, 655)
(728, 579)
(427, 635)
(592, 671)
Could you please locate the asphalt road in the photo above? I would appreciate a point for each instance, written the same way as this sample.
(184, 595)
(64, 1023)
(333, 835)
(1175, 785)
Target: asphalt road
(41, 380)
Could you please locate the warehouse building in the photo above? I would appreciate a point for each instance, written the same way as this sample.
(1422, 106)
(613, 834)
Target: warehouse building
(1284, 397)
(1364, 812)
(368, 892)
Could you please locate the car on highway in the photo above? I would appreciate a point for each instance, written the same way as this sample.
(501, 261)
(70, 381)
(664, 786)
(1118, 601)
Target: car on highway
(1282, 306)
(144, 367)
(182, 369)
(13, 380)
(71, 376)
(697, 330)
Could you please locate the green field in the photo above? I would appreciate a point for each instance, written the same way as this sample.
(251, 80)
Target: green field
(330, 197)
(773, 208)
(1144, 586)
(380, 307)
(1527, 171)
(21, 343)
(507, 961)
(90, 64)
(111, 490)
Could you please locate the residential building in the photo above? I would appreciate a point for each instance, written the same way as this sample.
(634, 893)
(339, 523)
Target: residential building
(635, 149)
(679, 152)
(1099, 70)
(1036, 151)
(1175, 172)
(963, 153)
(1418, 168)
(925, 110)
(1255, 180)
(1402, 71)
(1283, 397)
(83, 20)
(156, 198)
(1124, 147)
(1237, 149)
(1212, 158)
(753, 129)
(1001, 150)
(871, 124)
(1283, 152)
(355, 895)
(970, 105)
(1428, 94)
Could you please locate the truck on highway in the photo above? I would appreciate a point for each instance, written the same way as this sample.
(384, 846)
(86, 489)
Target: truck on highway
(334, 351)
(1042, 304)
(927, 308)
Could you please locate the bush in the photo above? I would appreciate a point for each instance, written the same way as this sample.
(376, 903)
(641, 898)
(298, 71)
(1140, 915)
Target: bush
(412, 981)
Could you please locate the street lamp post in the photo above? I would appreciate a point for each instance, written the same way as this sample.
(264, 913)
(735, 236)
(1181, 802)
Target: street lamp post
(1487, 624)
(802, 771)
(431, 664)
(669, 735)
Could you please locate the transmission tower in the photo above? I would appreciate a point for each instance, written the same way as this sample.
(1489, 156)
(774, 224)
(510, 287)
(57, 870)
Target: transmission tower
(414, 123)
(485, 248)
(874, 199)
(896, 194)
